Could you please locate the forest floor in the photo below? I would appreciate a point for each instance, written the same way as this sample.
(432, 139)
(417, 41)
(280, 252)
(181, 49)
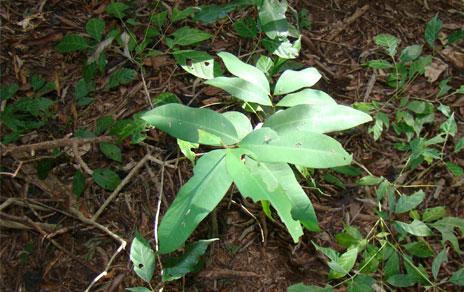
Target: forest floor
(35, 255)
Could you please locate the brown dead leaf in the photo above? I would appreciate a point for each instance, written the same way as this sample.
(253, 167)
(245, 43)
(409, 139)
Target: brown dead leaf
(454, 56)
(158, 61)
(210, 91)
(434, 70)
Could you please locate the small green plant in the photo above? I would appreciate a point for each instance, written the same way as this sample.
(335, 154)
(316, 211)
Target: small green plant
(392, 254)
(255, 160)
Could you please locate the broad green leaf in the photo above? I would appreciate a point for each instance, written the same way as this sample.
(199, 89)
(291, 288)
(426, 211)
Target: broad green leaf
(446, 227)
(245, 71)
(327, 251)
(194, 201)
(291, 80)
(438, 261)
(406, 203)
(117, 9)
(456, 36)
(433, 214)
(348, 170)
(392, 266)
(444, 89)
(379, 64)
(106, 178)
(419, 249)
(72, 43)
(299, 147)
(138, 289)
(418, 66)
(283, 48)
(306, 96)
(78, 184)
(189, 262)
(103, 124)
(186, 36)
(186, 149)
(300, 287)
(143, 258)
(197, 63)
(241, 123)
(350, 236)
(252, 182)
(389, 42)
(196, 125)
(95, 27)
(458, 277)
(432, 28)
(246, 28)
(417, 228)
(159, 19)
(7, 91)
(361, 283)
(208, 14)
(450, 127)
(178, 15)
(381, 122)
(265, 64)
(272, 18)
(455, 169)
(316, 118)
(165, 98)
(410, 53)
(121, 77)
(402, 280)
(241, 89)
(343, 265)
(111, 151)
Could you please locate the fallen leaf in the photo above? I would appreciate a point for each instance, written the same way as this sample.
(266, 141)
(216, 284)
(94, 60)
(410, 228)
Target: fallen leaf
(454, 56)
(434, 70)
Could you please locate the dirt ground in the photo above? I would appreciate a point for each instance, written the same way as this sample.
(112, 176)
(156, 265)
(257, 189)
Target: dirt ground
(35, 259)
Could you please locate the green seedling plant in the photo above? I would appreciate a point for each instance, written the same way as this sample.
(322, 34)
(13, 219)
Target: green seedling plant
(392, 254)
(254, 159)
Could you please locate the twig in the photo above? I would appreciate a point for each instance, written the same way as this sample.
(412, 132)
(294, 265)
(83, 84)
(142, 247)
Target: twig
(56, 144)
(79, 159)
(347, 22)
(15, 173)
(370, 86)
(123, 183)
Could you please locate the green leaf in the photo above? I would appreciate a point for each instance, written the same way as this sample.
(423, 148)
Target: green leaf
(343, 265)
(283, 49)
(432, 28)
(444, 88)
(178, 267)
(121, 77)
(402, 280)
(446, 227)
(299, 147)
(241, 89)
(246, 28)
(392, 266)
(349, 237)
(165, 98)
(455, 169)
(186, 149)
(417, 228)
(245, 71)
(103, 124)
(196, 125)
(194, 201)
(418, 66)
(78, 185)
(111, 151)
(449, 127)
(406, 203)
(72, 43)
(438, 261)
(241, 123)
(379, 64)
(327, 251)
(197, 63)
(410, 53)
(208, 14)
(300, 287)
(265, 64)
(433, 214)
(138, 289)
(7, 91)
(458, 277)
(106, 178)
(143, 258)
(291, 80)
(387, 41)
(186, 36)
(178, 15)
(95, 27)
(159, 19)
(306, 96)
(272, 18)
(117, 9)
(252, 182)
(419, 249)
(316, 118)
(456, 36)
(459, 145)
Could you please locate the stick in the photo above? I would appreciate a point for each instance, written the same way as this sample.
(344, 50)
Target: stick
(56, 144)
(347, 22)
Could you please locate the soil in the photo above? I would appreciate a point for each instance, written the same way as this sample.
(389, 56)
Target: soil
(252, 253)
